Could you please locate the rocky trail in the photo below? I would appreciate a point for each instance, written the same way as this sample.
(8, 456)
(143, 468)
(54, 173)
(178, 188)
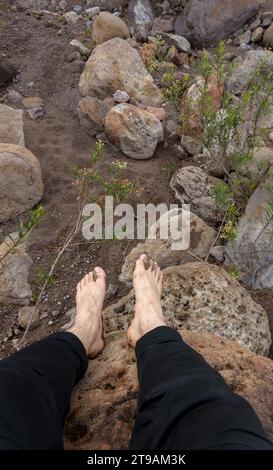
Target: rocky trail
(178, 126)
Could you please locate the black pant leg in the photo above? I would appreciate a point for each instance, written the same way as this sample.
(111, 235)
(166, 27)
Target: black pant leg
(185, 404)
(35, 389)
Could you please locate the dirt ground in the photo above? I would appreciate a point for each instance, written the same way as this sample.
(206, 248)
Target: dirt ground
(39, 53)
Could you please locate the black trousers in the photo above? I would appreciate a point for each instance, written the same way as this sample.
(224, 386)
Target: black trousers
(183, 403)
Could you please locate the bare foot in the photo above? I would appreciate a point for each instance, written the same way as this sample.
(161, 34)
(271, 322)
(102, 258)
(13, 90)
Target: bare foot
(88, 319)
(147, 281)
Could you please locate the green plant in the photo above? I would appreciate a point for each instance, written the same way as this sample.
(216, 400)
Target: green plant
(170, 168)
(34, 217)
(173, 88)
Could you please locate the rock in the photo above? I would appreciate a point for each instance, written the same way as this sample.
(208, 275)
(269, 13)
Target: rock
(107, 26)
(162, 25)
(191, 145)
(121, 97)
(245, 66)
(83, 50)
(243, 38)
(71, 17)
(203, 297)
(192, 186)
(77, 9)
(257, 34)
(62, 5)
(14, 271)
(33, 102)
(21, 185)
(181, 43)
(115, 65)
(13, 97)
(28, 315)
(218, 253)
(91, 12)
(205, 22)
(148, 54)
(111, 381)
(159, 113)
(11, 126)
(92, 113)
(260, 164)
(35, 113)
(192, 116)
(133, 130)
(141, 17)
(201, 238)
(253, 252)
(267, 18)
(268, 36)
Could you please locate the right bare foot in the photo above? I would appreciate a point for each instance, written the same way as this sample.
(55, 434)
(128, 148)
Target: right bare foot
(147, 283)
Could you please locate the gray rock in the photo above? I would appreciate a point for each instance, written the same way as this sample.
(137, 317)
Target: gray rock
(253, 252)
(267, 18)
(162, 25)
(11, 126)
(83, 50)
(121, 97)
(205, 22)
(28, 315)
(133, 130)
(245, 67)
(115, 65)
(71, 17)
(201, 238)
(77, 9)
(192, 186)
(91, 12)
(14, 271)
(7, 71)
(21, 185)
(191, 144)
(13, 97)
(203, 297)
(141, 17)
(181, 43)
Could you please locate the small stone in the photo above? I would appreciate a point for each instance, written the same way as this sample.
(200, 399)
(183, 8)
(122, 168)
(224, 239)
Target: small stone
(180, 151)
(121, 97)
(13, 97)
(257, 34)
(50, 323)
(181, 43)
(218, 252)
(267, 18)
(77, 9)
(71, 17)
(43, 316)
(191, 144)
(62, 5)
(83, 50)
(55, 313)
(26, 315)
(91, 12)
(254, 25)
(35, 113)
(72, 56)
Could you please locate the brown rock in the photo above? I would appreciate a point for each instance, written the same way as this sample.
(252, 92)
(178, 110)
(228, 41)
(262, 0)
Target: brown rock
(28, 315)
(159, 113)
(107, 26)
(104, 405)
(21, 185)
(92, 113)
(115, 65)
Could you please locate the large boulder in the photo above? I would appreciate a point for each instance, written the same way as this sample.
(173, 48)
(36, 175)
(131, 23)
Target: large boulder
(107, 26)
(245, 66)
(161, 250)
(193, 186)
(141, 16)
(133, 130)
(268, 36)
(21, 185)
(14, 270)
(11, 126)
(7, 71)
(108, 392)
(205, 22)
(252, 253)
(115, 65)
(203, 297)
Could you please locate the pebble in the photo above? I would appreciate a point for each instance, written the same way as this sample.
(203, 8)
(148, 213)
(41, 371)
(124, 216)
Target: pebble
(62, 5)
(13, 97)
(55, 313)
(71, 17)
(91, 12)
(50, 322)
(35, 113)
(77, 9)
(121, 97)
(83, 50)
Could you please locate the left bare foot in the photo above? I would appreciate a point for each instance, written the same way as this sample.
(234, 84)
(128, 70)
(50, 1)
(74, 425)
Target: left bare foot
(88, 320)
